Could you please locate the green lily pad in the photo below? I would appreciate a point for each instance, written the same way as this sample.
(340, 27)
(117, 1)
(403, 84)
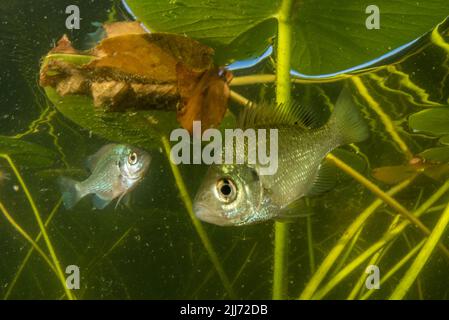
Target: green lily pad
(440, 154)
(141, 128)
(431, 121)
(26, 153)
(76, 59)
(444, 140)
(328, 36)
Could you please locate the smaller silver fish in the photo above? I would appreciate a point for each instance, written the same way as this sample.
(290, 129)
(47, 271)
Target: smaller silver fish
(116, 171)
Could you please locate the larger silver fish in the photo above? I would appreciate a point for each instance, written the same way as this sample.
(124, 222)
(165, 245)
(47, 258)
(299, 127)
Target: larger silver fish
(116, 171)
(236, 194)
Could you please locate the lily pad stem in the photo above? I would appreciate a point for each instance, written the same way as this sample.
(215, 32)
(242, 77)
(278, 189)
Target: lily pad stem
(283, 94)
(197, 224)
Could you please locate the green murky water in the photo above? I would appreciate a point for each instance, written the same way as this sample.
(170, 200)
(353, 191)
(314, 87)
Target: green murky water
(152, 250)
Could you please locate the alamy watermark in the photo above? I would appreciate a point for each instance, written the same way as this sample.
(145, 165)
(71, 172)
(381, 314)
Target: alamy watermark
(73, 20)
(373, 20)
(373, 280)
(240, 146)
(72, 281)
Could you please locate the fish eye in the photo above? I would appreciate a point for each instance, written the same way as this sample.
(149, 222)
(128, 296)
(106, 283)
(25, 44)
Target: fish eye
(226, 190)
(132, 158)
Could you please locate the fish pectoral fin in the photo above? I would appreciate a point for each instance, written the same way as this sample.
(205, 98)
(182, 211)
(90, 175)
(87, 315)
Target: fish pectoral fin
(127, 200)
(325, 179)
(297, 209)
(126, 197)
(99, 202)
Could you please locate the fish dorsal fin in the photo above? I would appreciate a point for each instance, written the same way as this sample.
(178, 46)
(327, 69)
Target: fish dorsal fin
(325, 179)
(264, 114)
(91, 161)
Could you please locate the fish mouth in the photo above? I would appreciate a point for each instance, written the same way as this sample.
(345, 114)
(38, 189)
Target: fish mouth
(205, 214)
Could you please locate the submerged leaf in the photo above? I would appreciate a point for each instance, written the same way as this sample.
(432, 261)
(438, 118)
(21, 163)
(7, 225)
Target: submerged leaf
(150, 57)
(122, 28)
(433, 121)
(393, 174)
(142, 129)
(419, 164)
(27, 153)
(327, 35)
(205, 100)
(64, 46)
(439, 154)
(444, 140)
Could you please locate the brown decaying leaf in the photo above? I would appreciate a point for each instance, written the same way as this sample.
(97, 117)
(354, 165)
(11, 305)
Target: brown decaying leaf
(396, 174)
(64, 45)
(134, 69)
(122, 28)
(393, 174)
(202, 100)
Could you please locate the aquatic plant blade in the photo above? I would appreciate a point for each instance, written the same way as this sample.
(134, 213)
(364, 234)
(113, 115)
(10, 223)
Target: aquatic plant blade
(26, 153)
(432, 121)
(352, 159)
(328, 36)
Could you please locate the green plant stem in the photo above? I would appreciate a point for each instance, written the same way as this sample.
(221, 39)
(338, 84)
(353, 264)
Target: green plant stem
(271, 78)
(422, 258)
(373, 261)
(393, 233)
(92, 265)
(310, 245)
(336, 251)
(37, 215)
(239, 99)
(283, 93)
(386, 120)
(350, 267)
(395, 268)
(385, 197)
(360, 282)
(30, 252)
(196, 223)
(26, 236)
(283, 83)
(348, 251)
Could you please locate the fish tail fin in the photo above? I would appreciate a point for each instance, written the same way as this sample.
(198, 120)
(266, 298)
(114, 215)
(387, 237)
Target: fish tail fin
(346, 122)
(70, 190)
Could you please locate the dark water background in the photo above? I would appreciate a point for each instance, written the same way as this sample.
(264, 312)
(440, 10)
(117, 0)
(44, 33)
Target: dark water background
(151, 250)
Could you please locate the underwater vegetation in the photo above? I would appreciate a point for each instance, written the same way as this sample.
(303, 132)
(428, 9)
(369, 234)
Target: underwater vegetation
(111, 81)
